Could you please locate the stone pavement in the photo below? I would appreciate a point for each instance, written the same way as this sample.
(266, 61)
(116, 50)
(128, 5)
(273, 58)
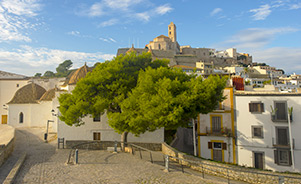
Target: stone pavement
(46, 164)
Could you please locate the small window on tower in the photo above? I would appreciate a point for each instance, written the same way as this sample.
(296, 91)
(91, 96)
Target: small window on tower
(17, 85)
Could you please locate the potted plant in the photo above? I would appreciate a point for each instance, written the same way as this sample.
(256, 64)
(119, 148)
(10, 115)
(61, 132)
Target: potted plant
(273, 113)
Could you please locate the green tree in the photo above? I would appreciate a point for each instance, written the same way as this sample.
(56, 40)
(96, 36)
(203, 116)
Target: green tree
(62, 69)
(105, 88)
(167, 98)
(49, 74)
(140, 95)
(38, 75)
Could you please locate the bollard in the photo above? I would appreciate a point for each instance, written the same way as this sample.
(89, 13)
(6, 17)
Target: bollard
(166, 164)
(76, 156)
(115, 147)
(45, 137)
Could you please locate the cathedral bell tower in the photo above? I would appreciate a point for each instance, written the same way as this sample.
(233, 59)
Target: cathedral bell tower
(172, 33)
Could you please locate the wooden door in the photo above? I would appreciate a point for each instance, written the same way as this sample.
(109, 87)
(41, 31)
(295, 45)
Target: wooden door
(4, 119)
(258, 160)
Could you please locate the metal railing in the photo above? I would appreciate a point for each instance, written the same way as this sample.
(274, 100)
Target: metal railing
(219, 132)
(282, 145)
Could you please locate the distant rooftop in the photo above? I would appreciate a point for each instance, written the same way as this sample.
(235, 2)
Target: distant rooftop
(7, 75)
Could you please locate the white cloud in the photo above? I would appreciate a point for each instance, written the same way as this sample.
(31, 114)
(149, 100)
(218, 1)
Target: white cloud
(109, 22)
(163, 9)
(121, 4)
(21, 7)
(33, 60)
(280, 57)
(295, 6)
(262, 12)
(109, 40)
(112, 40)
(255, 37)
(96, 10)
(14, 19)
(124, 9)
(74, 33)
(215, 11)
(144, 16)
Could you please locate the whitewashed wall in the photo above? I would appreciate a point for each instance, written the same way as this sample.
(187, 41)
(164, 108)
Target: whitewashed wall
(85, 132)
(8, 89)
(245, 119)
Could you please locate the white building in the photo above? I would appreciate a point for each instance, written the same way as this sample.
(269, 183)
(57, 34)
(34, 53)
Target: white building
(216, 132)
(9, 84)
(31, 107)
(263, 139)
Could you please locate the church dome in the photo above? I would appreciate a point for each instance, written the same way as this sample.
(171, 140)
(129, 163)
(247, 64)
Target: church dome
(30, 93)
(78, 74)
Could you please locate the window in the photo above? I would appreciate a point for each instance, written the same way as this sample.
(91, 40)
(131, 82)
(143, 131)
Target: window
(257, 132)
(256, 107)
(216, 124)
(217, 145)
(281, 113)
(21, 117)
(282, 157)
(17, 85)
(282, 136)
(97, 118)
(96, 136)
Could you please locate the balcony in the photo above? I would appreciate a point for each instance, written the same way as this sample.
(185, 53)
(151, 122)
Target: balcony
(274, 118)
(282, 144)
(219, 132)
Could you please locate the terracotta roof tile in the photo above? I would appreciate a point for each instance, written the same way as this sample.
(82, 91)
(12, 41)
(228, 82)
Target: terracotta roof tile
(30, 93)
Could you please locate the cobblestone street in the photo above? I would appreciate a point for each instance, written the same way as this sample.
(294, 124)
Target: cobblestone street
(46, 164)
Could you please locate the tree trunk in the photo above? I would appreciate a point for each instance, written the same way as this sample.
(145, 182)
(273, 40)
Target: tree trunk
(124, 138)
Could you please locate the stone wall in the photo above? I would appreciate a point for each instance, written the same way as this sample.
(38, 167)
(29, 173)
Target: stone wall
(234, 172)
(6, 150)
(103, 145)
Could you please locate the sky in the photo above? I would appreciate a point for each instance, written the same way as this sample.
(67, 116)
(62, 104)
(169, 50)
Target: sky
(38, 35)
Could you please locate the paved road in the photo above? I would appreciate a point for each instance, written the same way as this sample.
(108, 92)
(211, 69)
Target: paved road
(46, 164)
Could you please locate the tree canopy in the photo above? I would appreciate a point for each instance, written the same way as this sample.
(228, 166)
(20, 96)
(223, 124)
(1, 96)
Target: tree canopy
(141, 95)
(168, 98)
(105, 87)
(49, 74)
(63, 68)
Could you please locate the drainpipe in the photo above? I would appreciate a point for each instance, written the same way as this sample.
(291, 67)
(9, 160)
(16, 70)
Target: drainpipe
(291, 139)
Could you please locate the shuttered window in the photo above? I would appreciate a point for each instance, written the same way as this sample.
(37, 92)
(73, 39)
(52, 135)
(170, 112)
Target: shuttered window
(96, 136)
(216, 124)
(256, 107)
(282, 136)
(281, 113)
(282, 157)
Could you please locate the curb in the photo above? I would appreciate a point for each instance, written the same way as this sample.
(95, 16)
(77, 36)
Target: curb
(13, 173)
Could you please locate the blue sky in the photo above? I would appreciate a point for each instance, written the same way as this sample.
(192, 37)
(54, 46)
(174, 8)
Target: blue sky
(37, 35)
